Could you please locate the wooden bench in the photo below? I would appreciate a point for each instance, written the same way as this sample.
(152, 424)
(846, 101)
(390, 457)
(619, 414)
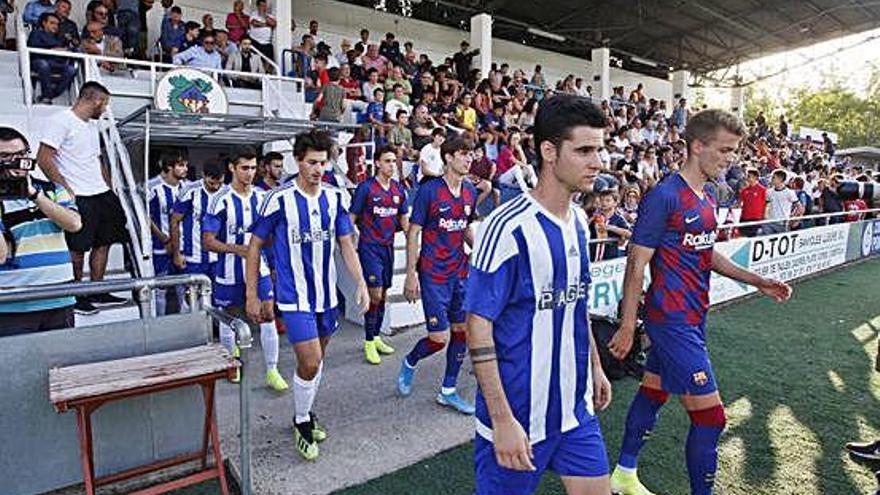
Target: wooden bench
(86, 387)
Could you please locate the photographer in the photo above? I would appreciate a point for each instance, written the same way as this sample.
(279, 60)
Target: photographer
(34, 215)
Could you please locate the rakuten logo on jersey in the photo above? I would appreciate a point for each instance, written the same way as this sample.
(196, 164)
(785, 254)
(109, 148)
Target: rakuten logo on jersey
(701, 241)
(384, 211)
(451, 225)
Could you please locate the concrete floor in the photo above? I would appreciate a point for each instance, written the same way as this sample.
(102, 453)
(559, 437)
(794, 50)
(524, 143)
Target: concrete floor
(371, 430)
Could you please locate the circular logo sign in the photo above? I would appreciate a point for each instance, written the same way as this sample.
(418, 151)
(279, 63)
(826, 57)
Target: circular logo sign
(868, 239)
(190, 91)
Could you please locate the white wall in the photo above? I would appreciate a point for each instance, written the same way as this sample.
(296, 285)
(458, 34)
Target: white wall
(338, 20)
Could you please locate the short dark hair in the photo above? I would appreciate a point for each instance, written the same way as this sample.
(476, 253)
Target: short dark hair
(9, 134)
(190, 25)
(377, 90)
(169, 159)
(272, 156)
(704, 125)
(62, 1)
(401, 112)
(780, 174)
(315, 140)
(438, 131)
(213, 169)
(333, 74)
(558, 116)
(92, 90)
(241, 153)
(176, 10)
(454, 144)
(384, 149)
(753, 172)
(46, 15)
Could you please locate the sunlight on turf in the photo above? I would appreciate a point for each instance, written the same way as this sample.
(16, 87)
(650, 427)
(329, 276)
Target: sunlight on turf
(860, 474)
(794, 447)
(737, 412)
(864, 333)
(836, 381)
(731, 464)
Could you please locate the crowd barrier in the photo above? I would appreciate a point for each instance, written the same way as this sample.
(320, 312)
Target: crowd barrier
(787, 256)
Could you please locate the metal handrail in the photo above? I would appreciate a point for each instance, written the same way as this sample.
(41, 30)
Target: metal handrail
(795, 219)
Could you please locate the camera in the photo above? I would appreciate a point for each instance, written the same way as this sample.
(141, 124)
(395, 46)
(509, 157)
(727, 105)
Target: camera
(14, 186)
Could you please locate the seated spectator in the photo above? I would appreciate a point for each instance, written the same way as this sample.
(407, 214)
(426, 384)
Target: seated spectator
(191, 38)
(390, 48)
(34, 10)
(357, 72)
(482, 175)
(201, 56)
(376, 113)
(421, 126)
(630, 207)
(246, 60)
(396, 103)
(98, 43)
(237, 22)
(97, 11)
(513, 168)
(331, 102)
(48, 67)
(400, 138)
(465, 115)
(430, 157)
(173, 32)
(352, 88)
(225, 46)
(373, 60)
(409, 62)
(67, 28)
(370, 85)
(397, 77)
(262, 30)
(344, 48)
(32, 241)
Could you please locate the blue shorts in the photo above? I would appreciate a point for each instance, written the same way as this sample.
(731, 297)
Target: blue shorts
(162, 265)
(202, 268)
(303, 326)
(226, 296)
(377, 262)
(442, 303)
(678, 355)
(579, 452)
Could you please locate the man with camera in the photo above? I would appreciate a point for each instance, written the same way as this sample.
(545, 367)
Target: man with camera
(34, 215)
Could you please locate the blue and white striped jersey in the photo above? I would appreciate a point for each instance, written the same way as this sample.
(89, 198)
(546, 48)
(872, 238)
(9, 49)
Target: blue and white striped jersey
(230, 216)
(193, 204)
(304, 231)
(162, 196)
(530, 274)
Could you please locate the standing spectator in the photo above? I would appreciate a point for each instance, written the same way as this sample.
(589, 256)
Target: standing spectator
(538, 77)
(783, 126)
(203, 56)
(246, 60)
(128, 21)
(35, 9)
(782, 204)
(463, 60)
(70, 156)
(263, 29)
(828, 145)
(797, 184)
(47, 66)
(208, 26)
(302, 58)
(753, 201)
(34, 226)
(173, 32)
(828, 199)
(237, 22)
(313, 31)
(67, 28)
(98, 43)
(364, 42)
(680, 114)
(609, 224)
(331, 102)
(390, 48)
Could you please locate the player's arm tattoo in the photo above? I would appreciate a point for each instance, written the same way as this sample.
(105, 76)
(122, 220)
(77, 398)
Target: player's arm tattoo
(483, 354)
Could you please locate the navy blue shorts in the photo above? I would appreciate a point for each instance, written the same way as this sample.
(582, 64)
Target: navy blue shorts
(226, 296)
(679, 356)
(303, 326)
(162, 265)
(442, 303)
(579, 452)
(377, 262)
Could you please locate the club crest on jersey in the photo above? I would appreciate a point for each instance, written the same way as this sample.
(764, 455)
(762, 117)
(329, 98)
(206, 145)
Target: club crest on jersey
(701, 241)
(551, 298)
(433, 321)
(396, 199)
(700, 378)
(372, 278)
(467, 210)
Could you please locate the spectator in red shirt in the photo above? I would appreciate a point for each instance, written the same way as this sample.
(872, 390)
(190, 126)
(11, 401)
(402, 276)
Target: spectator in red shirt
(753, 200)
(237, 22)
(853, 206)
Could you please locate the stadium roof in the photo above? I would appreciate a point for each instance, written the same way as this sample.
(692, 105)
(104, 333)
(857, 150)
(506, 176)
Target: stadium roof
(699, 35)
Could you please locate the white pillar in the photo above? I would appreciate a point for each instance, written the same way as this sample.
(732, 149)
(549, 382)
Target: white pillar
(284, 31)
(738, 100)
(601, 72)
(680, 87)
(481, 38)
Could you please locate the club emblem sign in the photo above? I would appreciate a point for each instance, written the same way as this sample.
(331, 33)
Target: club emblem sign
(190, 91)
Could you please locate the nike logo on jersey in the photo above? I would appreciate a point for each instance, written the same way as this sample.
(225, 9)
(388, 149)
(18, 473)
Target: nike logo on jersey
(377, 198)
(692, 219)
(444, 209)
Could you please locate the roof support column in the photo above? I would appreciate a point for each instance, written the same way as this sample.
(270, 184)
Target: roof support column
(680, 87)
(284, 30)
(481, 38)
(601, 70)
(738, 100)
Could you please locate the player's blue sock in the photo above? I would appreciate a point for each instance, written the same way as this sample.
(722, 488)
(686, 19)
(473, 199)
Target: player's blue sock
(454, 357)
(640, 420)
(701, 448)
(371, 322)
(380, 317)
(422, 349)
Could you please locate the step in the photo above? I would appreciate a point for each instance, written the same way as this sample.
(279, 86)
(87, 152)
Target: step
(8, 56)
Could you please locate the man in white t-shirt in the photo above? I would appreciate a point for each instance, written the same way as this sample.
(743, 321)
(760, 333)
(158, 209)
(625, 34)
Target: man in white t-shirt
(263, 29)
(782, 204)
(430, 157)
(70, 156)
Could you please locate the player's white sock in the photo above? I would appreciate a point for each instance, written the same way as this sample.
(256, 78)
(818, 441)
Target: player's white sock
(319, 375)
(303, 397)
(269, 340)
(626, 469)
(227, 337)
(161, 302)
